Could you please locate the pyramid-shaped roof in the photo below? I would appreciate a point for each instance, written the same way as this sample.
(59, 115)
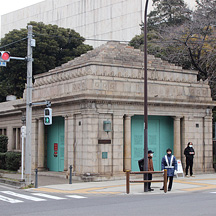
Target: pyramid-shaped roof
(120, 54)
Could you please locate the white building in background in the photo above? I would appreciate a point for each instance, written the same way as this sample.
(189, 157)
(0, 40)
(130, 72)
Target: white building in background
(93, 19)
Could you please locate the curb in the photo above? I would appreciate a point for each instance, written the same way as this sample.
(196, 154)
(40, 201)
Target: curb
(13, 183)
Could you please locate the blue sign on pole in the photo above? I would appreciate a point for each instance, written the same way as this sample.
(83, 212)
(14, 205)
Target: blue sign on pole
(4, 64)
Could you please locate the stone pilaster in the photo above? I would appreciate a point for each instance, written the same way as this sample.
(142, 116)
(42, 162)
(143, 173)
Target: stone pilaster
(177, 138)
(127, 147)
(41, 144)
(17, 144)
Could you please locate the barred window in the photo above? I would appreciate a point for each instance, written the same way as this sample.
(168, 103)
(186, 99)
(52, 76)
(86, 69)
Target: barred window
(16, 144)
(3, 131)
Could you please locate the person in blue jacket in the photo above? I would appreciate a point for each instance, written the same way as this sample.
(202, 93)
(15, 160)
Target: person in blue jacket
(170, 164)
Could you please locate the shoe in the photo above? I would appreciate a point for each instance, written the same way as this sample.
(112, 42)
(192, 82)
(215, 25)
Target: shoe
(187, 176)
(162, 188)
(169, 189)
(192, 175)
(150, 189)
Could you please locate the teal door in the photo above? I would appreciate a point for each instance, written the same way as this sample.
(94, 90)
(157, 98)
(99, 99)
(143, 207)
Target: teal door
(160, 137)
(55, 145)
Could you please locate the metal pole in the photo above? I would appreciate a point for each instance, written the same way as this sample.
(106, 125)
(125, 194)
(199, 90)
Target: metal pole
(22, 158)
(70, 180)
(145, 101)
(36, 178)
(28, 109)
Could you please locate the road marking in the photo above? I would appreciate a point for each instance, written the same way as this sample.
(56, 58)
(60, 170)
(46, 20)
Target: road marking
(36, 199)
(76, 196)
(93, 190)
(6, 199)
(212, 192)
(200, 186)
(48, 196)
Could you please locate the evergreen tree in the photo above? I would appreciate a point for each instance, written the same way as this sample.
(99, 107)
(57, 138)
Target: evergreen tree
(54, 46)
(168, 13)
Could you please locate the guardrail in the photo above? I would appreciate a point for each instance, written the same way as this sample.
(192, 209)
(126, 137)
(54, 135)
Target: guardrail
(128, 181)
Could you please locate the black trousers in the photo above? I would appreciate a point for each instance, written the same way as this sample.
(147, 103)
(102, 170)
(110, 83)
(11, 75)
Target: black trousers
(189, 163)
(170, 178)
(149, 178)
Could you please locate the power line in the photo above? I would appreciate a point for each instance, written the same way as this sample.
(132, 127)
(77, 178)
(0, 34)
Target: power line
(90, 39)
(13, 42)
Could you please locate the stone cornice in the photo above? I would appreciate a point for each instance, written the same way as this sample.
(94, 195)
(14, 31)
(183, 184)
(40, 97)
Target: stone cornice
(80, 98)
(107, 70)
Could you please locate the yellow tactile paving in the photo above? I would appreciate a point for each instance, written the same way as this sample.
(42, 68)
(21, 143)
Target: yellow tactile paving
(204, 186)
(83, 191)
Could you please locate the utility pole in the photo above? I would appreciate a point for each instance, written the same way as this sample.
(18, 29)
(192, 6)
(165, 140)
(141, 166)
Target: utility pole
(145, 100)
(28, 108)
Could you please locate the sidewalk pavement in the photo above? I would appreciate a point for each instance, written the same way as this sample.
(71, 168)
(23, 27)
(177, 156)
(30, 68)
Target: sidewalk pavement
(180, 185)
(48, 178)
(56, 184)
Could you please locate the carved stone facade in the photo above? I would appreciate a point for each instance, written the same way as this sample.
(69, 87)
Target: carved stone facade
(107, 84)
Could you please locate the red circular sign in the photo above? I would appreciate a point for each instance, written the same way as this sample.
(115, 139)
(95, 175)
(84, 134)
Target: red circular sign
(5, 56)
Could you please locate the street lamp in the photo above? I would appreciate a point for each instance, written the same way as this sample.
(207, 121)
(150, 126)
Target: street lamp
(145, 100)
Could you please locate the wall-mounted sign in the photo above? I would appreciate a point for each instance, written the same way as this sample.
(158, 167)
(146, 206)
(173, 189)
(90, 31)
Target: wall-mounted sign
(104, 155)
(104, 141)
(55, 146)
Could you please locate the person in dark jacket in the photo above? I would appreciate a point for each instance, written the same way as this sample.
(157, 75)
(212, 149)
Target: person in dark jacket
(170, 164)
(189, 154)
(150, 168)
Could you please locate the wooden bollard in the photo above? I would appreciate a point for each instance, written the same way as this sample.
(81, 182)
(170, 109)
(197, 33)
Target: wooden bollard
(127, 181)
(165, 181)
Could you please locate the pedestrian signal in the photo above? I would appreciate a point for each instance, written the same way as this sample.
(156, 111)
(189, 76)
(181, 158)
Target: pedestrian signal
(47, 116)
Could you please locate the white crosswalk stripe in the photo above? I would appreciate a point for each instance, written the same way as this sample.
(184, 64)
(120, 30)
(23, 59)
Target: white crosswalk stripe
(6, 199)
(76, 196)
(48, 196)
(33, 197)
(23, 196)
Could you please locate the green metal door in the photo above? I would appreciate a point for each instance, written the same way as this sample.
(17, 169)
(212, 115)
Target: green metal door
(55, 145)
(137, 141)
(160, 137)
(154, 140)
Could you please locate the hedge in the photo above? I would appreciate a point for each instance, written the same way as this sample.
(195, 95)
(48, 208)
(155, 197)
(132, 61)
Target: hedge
(13, 160)
(2, 161)
(3, 143)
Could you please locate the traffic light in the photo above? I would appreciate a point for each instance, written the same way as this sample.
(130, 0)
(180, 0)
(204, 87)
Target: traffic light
(4, 56)
(47, 116)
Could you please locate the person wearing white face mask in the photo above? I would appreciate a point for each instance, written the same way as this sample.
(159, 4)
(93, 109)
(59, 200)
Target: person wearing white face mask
(150, 168)
(170, 164)
(189, 154)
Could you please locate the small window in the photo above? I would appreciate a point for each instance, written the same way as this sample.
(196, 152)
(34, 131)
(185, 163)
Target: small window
(197, 125)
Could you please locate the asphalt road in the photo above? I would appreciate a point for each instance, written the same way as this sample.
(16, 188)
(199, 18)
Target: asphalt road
(21, 202)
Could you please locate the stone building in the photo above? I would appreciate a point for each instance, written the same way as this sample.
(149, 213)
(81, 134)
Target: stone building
(97, 104)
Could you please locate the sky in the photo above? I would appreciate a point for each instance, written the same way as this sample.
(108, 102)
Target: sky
(11, 5)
